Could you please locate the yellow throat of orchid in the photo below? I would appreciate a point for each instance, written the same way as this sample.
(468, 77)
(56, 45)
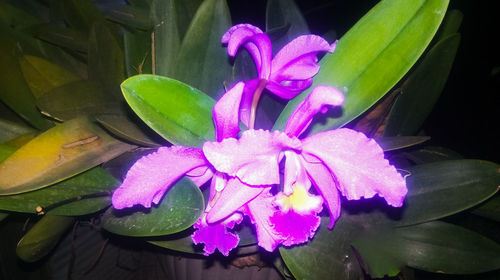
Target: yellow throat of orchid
(301, 201)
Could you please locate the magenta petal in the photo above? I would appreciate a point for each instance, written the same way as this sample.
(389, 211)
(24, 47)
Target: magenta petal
(325, 185)
(200, 175)
(251, 29)
(217, 236)
(246, 100)
(225, 113)
(150, 177)
(298, 59)
(254, 158)
(234, 195)
(296, 227)
(294, 173)
(260, 211)
(288, 89)
(358, 164)
(316, 102)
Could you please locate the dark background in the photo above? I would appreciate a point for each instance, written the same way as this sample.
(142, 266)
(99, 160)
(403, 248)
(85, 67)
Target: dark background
(466, 117)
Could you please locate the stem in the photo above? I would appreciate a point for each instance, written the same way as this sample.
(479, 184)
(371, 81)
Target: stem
(256, 96)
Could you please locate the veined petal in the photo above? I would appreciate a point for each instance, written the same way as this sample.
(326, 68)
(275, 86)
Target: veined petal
(358, 164)
(225, 113)
(297, 228)
(294, 173)
(151, 176)
(260, 211)
(288, 89)
(217, 236)
(234, 195)
(257, 43)
(324, 183)
(316, 102)
(254, 158)
(298, 59)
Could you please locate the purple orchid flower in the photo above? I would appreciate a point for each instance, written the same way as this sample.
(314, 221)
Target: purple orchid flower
(286, 75)
(338, 161)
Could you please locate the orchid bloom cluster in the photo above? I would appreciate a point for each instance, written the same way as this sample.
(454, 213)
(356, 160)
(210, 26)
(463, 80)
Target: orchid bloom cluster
(245, 168)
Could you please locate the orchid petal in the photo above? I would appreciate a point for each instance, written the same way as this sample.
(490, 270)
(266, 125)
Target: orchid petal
(358, 164)
(294, 173)
(217, 236)
(257, 43)
(225, 113)
(296, 227)
(298, 59)
(260, 211)
(316, 102)
(151, 176)
(288, 89)
(234, 195)
(251, 29)
(246, 100)
(200, 175)
(254, 158)
(326, 187)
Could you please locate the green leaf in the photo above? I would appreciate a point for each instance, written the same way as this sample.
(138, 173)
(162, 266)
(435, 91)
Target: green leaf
(57, 154)
(395, 143)
(79, 14)
(202, 62)
(373, 56)
(16, 18)
(489, 209)
(165, 37)
(450, 25)
(76, 192)
(123, 127)
(43, 76)
(422, 89)
(430, 154)
(11, 130)
(440, 189)
(284, 14)
(176, 111)
(42, 237)
(137, 51)
(179, 209)
(13, 88)
(435, 246)
(6, 151)
(3, 216)
(76, 99)
(328, 253)
(129, 16)
(106, 59)
(61, 36)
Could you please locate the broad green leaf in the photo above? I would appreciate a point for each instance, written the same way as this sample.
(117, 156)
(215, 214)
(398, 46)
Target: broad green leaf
(422, 89)
(13, 88)
(16, 18)
(61, 36)
(74, 195)
(9, 147)
(165, 39)
(179, 209)
(440, 189)
(430, 154)
(129, 16)
(59, 153)
(373, 56)
(77, 99)
(202, 62)
(396, 143)
(284, 14)
(6, 151)
(328, 253)
(43, 76)
(435, 246)
(137, 52)
(489, 209)
(176, 111)
(11, 130)
(123, 127)
(42, 237)
(106, 59)
(450, 25)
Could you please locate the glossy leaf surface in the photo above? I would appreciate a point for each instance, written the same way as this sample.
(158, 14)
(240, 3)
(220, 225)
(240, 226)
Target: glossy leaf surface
(176, 111)
(395, 143)
(489, 209)
(434, 246)
(94, 181)
(59, 153)
(373, 56)
(42, 237)
(11, 130)
(124, 128)
(179, 209)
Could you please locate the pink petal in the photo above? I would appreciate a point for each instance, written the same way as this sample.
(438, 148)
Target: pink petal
(358, 164)
(250, 28)
(316, 102)
(200, 175)
(217, 236)
(246, 101)
(225, 113)
(298, 59)
(295, 227)
(151, 176)
(234, 195)
(260, 211)
(288, 89)
(254, 158)
(325, 185)
(294, 173)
